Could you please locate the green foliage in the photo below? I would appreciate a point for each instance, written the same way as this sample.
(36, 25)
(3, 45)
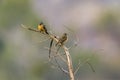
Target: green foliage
(107, 20)
(14, 12)
(11, 12)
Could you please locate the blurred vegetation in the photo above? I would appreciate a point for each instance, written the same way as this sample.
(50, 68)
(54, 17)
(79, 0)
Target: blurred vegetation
(14, 12)
(23, 57)
(109, 24)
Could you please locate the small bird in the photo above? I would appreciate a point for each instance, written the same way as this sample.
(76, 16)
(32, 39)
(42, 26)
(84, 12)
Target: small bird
(61, 41)
(41, 27)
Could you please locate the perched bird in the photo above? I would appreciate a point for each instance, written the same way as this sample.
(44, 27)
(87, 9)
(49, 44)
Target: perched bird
(61, 41)
(42, 28)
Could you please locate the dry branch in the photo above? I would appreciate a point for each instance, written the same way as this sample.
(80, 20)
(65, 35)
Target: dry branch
(68, 58)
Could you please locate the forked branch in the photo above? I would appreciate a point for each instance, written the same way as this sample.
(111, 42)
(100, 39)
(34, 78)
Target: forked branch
(67, 54)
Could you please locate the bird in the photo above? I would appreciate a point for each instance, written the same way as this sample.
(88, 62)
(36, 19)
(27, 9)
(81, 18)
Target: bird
(41, 27)
(61, 41)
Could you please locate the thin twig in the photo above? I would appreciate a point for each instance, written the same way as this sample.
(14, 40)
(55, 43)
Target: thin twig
(91, 66)
(58, 49)
(86, 61)
(59, 55)
(31, 29)
(78, 67)
(62, 69)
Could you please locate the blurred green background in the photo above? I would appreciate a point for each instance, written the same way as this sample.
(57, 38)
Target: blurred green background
(93, 28)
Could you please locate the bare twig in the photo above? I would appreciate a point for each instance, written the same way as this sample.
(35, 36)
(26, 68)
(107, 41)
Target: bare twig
(59, 55)
(29, 28)
(57, 65)
(91, 66)
(79, 64)
(69, 63)
(78, 67)
(58, 49)
(62, 69)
